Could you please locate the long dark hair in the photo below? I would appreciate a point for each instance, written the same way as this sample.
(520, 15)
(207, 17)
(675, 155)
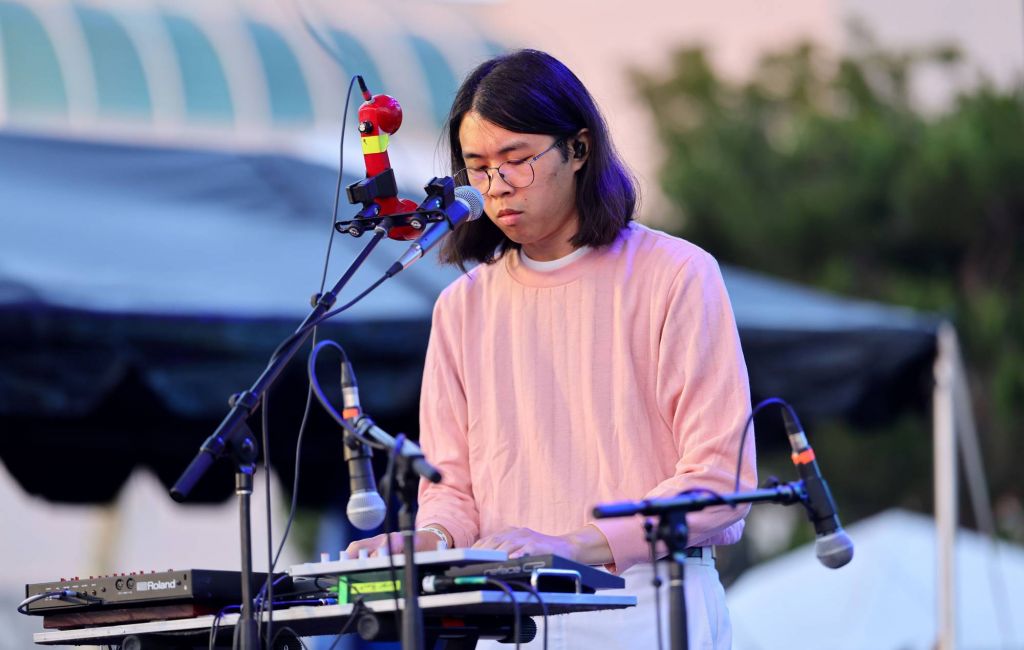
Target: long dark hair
(532, 92)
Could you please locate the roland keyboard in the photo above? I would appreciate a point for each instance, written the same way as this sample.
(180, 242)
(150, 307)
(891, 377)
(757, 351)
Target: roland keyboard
(100, 600)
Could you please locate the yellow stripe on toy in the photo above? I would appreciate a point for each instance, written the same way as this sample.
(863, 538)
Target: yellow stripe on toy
(375, 143)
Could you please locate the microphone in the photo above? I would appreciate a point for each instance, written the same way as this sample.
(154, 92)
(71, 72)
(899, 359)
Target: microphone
(833, 546)
(366, 509)
(467, 206)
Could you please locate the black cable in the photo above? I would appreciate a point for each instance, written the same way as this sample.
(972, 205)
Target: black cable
(337, 185)
(357, 610)
(59, 594)
(306, 597)
(261, 602)
(317, 37)
(316, 583)
(216, 624)
(306, 602)
(746, 428)
(543, 606)
(504, 586)
(335, 312)
(265, 425)
(327, 316)
(656, 582)
(318, 391)
(389, 474)
(309, 401)
(295, 490)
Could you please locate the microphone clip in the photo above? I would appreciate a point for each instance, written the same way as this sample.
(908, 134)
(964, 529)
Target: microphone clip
(440, 192)
(366, 190)
(440, 196)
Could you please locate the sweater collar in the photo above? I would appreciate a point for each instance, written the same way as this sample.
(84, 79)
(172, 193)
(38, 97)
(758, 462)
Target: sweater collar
(530, 277)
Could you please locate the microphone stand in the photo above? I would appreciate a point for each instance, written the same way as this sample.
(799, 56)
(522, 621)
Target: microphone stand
(671, 529)
(234, 438)
(410, 466)
(412, 617)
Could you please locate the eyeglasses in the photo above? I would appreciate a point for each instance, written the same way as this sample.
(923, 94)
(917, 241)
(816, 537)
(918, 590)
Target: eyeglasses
(517, 173)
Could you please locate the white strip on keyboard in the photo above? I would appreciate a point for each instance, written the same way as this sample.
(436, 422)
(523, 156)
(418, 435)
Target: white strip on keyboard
(448, 557)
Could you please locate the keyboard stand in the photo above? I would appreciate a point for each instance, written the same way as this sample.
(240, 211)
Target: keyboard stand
(485, 614)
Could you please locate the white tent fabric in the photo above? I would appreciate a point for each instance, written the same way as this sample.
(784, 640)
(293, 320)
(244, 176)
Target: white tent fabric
(886, 597)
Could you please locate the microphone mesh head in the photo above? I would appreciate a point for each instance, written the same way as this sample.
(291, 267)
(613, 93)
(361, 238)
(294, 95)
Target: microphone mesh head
(835, 549)
(473, 198)
(366, 509)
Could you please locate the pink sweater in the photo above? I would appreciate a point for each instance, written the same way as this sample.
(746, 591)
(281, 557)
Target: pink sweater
(619, 376)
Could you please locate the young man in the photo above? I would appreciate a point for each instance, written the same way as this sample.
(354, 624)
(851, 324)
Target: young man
(585, 359)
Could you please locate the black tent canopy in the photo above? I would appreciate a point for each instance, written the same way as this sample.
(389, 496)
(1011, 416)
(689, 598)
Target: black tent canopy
(140, 287)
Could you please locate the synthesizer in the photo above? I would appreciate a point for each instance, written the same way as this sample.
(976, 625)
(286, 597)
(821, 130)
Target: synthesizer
(136, 597)
(551, 568)
(371, 579)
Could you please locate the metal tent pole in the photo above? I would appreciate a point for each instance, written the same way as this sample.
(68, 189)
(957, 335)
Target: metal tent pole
(945, 477)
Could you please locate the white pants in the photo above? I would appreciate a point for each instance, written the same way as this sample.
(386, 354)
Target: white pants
(633, 628)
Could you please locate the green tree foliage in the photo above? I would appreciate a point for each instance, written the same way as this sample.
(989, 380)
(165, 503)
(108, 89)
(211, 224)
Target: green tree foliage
(821, 169)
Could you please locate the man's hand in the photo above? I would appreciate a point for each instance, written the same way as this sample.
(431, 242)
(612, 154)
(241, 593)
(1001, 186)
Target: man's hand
(377, 545)
(518, 542)
(586, 545)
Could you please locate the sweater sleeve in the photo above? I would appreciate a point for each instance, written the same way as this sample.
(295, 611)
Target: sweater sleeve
(443, 434)
(704, 396)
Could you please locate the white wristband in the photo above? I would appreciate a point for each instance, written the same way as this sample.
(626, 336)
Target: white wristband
(442, 544)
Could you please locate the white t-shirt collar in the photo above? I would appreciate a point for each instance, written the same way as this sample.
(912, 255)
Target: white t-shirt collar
(553, 265)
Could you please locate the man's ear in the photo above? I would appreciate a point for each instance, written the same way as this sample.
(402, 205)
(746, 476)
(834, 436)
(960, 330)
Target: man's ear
(580, 147)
